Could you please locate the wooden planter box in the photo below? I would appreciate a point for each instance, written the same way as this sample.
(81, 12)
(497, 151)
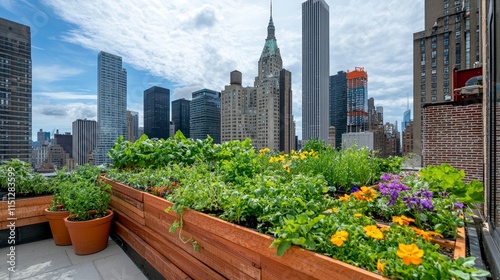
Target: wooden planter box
(225, 250)
(27, 211)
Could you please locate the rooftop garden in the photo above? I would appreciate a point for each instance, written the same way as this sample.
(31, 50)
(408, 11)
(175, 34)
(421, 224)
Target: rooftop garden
(349, 205)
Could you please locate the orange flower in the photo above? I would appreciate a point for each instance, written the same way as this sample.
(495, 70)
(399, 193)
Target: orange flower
(410, 254)
(373, 231)
(365, 193)
(403, 220)
(339, 238)
(427, 235)
(381, 265)
(345, 197)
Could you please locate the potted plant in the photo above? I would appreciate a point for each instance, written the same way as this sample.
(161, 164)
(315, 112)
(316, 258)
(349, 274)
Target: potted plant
(89, 220)
(57, 211)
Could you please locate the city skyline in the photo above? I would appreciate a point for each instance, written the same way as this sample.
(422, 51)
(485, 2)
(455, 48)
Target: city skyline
(376, 36)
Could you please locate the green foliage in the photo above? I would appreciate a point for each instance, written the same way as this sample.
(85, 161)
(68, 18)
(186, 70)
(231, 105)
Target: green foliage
(445, 178)
(81, 193)
(19, 174)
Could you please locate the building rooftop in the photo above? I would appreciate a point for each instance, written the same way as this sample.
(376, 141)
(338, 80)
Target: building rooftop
(45, 260)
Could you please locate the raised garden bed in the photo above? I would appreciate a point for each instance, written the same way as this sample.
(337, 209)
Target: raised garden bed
(210, 248)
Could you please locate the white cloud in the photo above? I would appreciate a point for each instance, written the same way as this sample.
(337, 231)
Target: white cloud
(67, 95)
(195, 44)
(54, 73)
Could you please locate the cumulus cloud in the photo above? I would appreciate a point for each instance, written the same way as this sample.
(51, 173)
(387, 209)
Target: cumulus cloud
(195, 44)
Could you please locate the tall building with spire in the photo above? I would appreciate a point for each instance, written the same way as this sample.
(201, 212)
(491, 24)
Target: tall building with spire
(315, 70)
(269, 102)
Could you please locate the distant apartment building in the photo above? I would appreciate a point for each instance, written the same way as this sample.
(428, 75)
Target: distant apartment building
(338, 105)
(315, 70)
(238, 110)
(157, 112)
(180, 116)
(43, 137)
(407, 141)
(357, 96)
(205, 115)
(111, 104)
(15, 91)
(132, 126)
(65, 141)
(450, 39)
(84, 140)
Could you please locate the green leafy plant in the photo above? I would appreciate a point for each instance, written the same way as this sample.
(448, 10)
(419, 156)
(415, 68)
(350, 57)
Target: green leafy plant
(21, 176)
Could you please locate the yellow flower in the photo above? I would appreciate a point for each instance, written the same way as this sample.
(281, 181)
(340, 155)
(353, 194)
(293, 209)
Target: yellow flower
(264, 151)
(339, 238)
(287, 168)
(335, 209)
(373, 231)
(303, 156)
(381, 265)
(403, 220)
(294, 157)
(410, 254)
(344, 198)
(357, 215)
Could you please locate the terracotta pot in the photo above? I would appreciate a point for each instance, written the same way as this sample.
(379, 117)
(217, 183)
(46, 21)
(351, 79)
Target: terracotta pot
(91, 236)
(58, 227)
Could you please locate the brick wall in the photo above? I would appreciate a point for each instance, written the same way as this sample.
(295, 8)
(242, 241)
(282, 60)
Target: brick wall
(452, 133)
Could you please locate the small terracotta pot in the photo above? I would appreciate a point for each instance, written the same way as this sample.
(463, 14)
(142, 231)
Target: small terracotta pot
(91, 236)
(58, 227)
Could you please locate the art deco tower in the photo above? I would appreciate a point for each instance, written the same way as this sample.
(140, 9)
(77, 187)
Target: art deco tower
(267, 88)
(315, 70)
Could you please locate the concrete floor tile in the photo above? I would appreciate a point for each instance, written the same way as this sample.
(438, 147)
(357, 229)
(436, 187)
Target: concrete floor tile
(84, 271)
(26, 268)
(118, 267)
(112, 249)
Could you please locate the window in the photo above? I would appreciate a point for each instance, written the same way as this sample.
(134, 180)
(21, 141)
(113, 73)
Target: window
(446, 90)
(433, 98)
(434, 85)
(422, 93)
(446, 83)
(422, 99)
(433, 72)
(446, 70)
(434, 79)
(434, 92)
(422, 86)
(422, 80)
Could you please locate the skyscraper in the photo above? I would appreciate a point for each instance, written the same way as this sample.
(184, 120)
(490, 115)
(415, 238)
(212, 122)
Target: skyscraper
(205, 115)
(84, 140)
(132, 126)
(157, 112)
(451, 39)
(338, 105)
(15, 91)
(315, 70)
(180, 116)
(357, 100)
(111, 104)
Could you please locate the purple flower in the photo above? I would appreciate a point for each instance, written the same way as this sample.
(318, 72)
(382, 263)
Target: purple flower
(459, 205)
(354, 189)
(386, 177)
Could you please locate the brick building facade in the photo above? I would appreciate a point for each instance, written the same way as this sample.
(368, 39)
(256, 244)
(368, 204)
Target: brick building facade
(453, 134)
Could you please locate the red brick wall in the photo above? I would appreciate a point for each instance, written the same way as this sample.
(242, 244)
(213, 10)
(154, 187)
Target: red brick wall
(453, 135)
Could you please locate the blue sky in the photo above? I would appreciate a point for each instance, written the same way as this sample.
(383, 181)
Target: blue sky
(189, 45)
